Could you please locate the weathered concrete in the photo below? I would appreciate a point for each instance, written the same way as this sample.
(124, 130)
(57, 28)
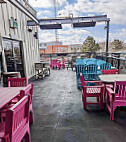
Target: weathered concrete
(59, 114)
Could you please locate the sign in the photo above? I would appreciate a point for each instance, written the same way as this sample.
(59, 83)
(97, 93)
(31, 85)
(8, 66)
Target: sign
(13, 23)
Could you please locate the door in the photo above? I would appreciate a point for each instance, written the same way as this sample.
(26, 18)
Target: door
(13, 55)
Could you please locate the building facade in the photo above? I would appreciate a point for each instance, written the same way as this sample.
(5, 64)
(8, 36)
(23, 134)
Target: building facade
(43, 46)
(56, 49)
(74, 48)
(18, 42)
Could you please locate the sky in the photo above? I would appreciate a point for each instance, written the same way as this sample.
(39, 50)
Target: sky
(114, 9)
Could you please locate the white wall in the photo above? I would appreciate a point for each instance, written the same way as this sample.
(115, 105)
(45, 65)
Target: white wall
(30, 43)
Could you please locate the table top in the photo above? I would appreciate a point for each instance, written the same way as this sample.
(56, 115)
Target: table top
(111, 67)
(8, 93)
(109, 78)
(10, 73)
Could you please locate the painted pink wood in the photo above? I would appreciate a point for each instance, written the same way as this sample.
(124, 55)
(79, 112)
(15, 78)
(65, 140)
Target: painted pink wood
(9, 93)
(116, 98)
(17, 82)
(62, 64)
(55, 63)
(112, 71)
(92, 91)
(17, 122)
(29, 90)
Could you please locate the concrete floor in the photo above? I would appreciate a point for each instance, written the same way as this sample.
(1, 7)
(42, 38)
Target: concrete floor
(59, 114)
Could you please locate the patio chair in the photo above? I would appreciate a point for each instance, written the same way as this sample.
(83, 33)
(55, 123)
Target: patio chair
(99, 62)
(79, 69)
(116, 98)
(79, 61)
(112, 71)
(17, 82)
(85, 59)
(90, 62)
(91, 72)
(16, 125)
(55, 63)
(62, 64)
(29, 91)
(92, 91)
(104, 66)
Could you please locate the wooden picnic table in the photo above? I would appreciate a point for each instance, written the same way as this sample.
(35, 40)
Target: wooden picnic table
(8, 93)
(111, 78)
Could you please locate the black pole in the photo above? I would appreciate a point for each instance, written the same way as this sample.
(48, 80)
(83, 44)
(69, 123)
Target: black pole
(107, 36)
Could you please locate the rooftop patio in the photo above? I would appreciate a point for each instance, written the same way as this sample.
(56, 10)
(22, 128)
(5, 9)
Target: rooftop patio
(59, 114)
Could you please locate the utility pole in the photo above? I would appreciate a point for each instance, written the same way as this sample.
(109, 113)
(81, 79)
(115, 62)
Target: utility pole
(56, 32)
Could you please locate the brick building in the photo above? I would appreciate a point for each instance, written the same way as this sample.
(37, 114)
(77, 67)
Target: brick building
(53, 47)
(57, 49)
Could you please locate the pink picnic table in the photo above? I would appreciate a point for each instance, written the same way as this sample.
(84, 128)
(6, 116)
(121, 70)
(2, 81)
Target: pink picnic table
(8, 93)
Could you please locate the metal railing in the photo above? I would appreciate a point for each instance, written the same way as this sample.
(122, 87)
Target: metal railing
(117, 60)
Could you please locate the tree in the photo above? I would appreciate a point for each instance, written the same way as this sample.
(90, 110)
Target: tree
(117, 44)
(90, 45)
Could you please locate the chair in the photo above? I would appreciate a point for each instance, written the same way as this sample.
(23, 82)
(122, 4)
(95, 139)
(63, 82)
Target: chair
(91, 72)
(62, 64)
(99, 62)
(29, 90)
(104, 66)
(92, 91)
(116, 98)
(85, 59)
(16, 125)
(17, 82)
(112, 71)
(55, 63)
(79, 69)
(79, 61)
(90, 62)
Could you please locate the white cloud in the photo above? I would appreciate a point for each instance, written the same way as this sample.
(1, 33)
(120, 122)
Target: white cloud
(115, 9)
(46, 36)
(119, 34)
(45, 3)
(44, 14)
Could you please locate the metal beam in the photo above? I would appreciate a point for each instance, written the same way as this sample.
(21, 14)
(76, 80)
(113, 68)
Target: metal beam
(74, 20)
(23, 9)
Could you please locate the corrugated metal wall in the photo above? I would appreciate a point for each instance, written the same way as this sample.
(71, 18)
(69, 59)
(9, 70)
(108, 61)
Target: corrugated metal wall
(30, 43)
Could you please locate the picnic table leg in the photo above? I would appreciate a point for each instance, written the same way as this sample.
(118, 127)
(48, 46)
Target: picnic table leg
(28, 137)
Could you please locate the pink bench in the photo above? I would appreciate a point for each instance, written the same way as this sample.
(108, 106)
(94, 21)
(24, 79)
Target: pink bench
(16, 126)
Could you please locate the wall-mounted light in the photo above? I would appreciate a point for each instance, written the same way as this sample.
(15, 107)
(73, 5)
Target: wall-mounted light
(13, 23)
(30, 30)
(36, 35)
